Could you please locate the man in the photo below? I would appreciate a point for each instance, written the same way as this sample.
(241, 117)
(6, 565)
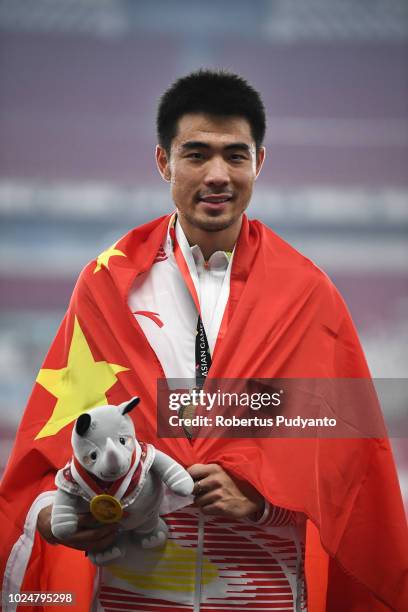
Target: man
(206, 274)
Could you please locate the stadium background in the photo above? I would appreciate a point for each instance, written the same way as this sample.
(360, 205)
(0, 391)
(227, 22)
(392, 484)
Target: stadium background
(79, 84)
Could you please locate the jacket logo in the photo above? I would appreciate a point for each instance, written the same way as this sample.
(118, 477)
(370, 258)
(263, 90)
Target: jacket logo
(154, 316)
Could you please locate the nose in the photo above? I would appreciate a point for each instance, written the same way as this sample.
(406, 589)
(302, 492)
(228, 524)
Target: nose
(217, 173)
(112, 463)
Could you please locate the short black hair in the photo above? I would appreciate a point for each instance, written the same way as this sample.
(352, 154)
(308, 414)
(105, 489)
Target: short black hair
(219, 93)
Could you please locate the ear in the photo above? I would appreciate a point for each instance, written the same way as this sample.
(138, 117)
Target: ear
(260, 158)
(82, 424)
(130, 405)
(163, 163)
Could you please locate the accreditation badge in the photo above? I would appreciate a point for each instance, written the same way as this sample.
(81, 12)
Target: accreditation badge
(106, 508)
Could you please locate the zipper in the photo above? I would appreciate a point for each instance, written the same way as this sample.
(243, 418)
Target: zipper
(199, 563)
(299, 572)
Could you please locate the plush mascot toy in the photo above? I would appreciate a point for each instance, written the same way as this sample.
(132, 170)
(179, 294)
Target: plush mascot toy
(116, 478)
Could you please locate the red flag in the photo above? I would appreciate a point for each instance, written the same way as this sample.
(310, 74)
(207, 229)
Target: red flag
(284, 319)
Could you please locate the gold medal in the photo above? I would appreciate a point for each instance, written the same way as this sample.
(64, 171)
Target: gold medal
(106, 509)
(187, 412)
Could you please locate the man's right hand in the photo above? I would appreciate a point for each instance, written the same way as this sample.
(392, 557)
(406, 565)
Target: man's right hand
(89, 537)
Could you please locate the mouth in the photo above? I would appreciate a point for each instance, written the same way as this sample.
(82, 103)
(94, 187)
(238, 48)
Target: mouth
(215, 200)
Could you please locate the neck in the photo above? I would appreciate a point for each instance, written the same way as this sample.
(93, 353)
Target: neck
(210, 242)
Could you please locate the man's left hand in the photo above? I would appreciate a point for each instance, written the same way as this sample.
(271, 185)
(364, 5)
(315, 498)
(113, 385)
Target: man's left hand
(216, 493)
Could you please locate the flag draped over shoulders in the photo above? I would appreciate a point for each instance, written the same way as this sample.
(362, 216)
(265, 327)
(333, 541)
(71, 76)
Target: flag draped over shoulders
(284, 319)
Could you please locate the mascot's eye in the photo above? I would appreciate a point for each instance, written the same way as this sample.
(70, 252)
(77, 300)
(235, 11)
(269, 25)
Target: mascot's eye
(93, 455)
(122, 440)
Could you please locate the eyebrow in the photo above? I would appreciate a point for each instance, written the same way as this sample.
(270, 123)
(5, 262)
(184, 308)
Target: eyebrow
(198, 144)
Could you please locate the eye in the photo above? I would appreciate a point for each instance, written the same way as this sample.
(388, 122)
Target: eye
(93, 455)
(122, 440)
(195, 155)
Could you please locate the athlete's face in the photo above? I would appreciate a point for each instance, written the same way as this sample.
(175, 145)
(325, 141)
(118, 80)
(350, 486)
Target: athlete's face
(212, 167)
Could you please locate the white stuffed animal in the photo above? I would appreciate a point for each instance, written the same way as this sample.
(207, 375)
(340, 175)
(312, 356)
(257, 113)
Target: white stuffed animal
(117, 478)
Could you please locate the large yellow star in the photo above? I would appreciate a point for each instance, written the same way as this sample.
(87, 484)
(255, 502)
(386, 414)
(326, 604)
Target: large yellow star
(81, 385)
(103, 258)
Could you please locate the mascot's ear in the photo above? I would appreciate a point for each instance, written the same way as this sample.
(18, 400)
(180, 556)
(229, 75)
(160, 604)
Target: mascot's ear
(130, 405)
(82, 424)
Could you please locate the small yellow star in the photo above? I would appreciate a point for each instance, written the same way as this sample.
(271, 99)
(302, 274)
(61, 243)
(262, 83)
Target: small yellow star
(81, 385)
(103, 258)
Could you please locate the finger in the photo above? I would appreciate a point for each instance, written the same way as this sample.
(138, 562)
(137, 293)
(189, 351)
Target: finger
(214, 509)
(89, 546)
(102, 544)
(44, 525)
(198, 471)
(87, 520)
(208, 498)
(93, 535)
(205, 485)
(91, 540)
(221, 509)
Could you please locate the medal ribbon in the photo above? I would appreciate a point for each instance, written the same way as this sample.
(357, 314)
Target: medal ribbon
(203, 359)
(116, 489)
(202, 349)
(183, 267)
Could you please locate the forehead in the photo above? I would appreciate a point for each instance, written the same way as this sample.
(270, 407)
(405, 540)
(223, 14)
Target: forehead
(212, 129)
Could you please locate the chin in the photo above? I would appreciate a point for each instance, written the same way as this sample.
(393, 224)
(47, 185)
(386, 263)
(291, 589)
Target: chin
(213, 223)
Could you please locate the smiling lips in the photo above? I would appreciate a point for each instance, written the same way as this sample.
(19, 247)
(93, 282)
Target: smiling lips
(215, 199)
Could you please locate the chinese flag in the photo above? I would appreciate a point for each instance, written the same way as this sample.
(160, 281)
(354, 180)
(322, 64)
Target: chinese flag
(284, 319)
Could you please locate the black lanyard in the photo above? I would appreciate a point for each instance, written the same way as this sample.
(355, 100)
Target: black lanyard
(202, 354)
(202, 367)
